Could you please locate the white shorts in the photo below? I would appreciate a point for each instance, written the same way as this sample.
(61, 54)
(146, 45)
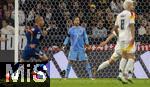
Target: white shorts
(120, 46)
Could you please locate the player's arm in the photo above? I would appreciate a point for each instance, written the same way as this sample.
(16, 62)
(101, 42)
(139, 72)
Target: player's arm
(132, 27)
(86, 37)
(87, 46)
(32, 32)
(66, 40)
(44, 32)
(28, 30)
(111, 36)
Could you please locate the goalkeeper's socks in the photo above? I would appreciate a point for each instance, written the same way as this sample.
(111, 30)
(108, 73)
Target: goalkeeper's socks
(68, 70)
(122, 66)
(103, 65)
(88, 68)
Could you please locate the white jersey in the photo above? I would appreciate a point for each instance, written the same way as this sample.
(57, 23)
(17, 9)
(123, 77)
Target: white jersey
(124, 19)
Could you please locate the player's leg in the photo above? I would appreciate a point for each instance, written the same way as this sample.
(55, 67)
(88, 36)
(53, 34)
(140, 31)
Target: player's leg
(83, 57)
(109, 62)
(35, 53)
(105, 64)
(68, 68)
(131, 59)
(44, 60)
(88, 69)
(41, 55)
(71, 57)
(123, 61)
(128, 69)
(122, 65)
(113, 59)
(118, 53)
(24, 58)
(130, 65)
(130, 75)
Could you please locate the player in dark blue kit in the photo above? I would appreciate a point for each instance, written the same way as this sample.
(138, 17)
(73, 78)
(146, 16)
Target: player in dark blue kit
(31, 49)
(33, 39)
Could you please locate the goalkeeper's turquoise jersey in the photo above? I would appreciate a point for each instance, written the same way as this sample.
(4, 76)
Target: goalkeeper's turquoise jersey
(77, 36)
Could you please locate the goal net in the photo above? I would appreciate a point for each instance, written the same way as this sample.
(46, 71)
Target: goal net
(98, 17)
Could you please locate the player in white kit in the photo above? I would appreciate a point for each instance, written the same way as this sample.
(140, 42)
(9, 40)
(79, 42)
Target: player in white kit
(125, 48)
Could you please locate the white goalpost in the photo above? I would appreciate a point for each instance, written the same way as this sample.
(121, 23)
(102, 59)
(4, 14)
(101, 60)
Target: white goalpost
(16, 37)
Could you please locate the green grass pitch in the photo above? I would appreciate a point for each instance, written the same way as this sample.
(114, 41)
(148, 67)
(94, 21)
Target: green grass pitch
(112, 82)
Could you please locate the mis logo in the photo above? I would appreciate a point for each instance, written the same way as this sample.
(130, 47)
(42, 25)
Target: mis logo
(24, 73)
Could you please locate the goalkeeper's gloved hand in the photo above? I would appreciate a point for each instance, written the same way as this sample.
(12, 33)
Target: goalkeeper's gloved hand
(88, 48)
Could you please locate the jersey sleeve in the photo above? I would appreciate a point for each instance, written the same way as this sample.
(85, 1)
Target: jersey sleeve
(86, 37)
(67, 38)
(68, 33)
(132, 18)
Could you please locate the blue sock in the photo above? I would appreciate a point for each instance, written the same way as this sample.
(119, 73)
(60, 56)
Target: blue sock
(88, 69)
(68, 70)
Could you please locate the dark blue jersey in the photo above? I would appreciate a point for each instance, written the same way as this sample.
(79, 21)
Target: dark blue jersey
(33, 36)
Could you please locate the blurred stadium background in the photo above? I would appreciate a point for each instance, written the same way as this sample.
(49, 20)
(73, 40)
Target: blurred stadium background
(97, 16)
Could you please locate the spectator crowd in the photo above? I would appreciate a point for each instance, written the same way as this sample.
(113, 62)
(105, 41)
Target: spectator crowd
(97, 16)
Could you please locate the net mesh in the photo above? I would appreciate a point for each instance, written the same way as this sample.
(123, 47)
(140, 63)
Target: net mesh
(97, 16)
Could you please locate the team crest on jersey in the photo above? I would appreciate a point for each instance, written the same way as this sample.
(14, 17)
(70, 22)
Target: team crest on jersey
(80, 32)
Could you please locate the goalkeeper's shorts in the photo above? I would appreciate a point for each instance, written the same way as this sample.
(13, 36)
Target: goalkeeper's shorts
(123, 46)
(77, 55)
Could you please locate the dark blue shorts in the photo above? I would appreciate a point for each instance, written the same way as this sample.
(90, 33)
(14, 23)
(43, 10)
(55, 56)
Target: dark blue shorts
(31, 53)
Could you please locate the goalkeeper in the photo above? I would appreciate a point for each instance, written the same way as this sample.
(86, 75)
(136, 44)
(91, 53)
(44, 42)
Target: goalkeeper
(78, 38)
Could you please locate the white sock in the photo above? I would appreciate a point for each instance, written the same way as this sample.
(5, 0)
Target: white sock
(129, 66)
(103, 65)
(122, 65)
(131, 72)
